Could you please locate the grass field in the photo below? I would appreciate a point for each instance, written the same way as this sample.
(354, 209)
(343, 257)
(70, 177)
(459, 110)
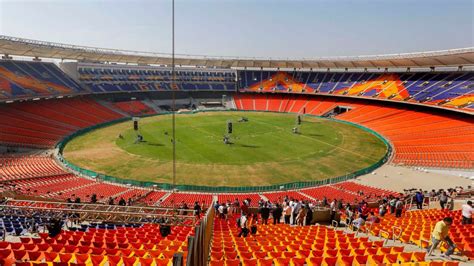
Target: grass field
(264, 150)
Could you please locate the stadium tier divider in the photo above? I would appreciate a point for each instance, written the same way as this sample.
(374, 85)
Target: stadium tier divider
(220, 189)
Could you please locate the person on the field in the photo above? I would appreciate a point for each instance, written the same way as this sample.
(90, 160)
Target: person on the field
(441, 233)
(467, 213)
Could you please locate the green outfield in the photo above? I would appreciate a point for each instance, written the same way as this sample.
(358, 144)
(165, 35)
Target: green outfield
(264, 149)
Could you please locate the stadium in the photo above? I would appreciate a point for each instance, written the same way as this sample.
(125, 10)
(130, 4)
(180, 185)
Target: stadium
(122, 157)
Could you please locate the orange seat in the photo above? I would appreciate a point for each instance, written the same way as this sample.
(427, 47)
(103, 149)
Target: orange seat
(282, 261)
(397, 249)
(65, 257)
(330, 261)
(346, 260)
(314, 261)
(217, 255)
(405, 256)
(19, 254)
(265, 262)
(146, 261)
(230, 255)
(418, 256)
(391, 258)
(97, 260)
(216, 263)
(360, 260)
(376, 259)
(297, 261)
(232, 262)
(81, 258)
(249, 262)
(289, 254)
(35, 255)
(131, 261)
(246, 255)
(162, 262)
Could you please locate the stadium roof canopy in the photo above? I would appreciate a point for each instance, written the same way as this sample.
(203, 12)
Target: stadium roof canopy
(41, 49)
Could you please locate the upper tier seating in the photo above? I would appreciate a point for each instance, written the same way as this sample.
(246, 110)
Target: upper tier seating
(111, 79)
(34, 79)
(422, 138)
(447, 89)
(134, 108)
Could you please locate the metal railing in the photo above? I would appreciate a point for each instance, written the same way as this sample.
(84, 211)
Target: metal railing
(79, 212)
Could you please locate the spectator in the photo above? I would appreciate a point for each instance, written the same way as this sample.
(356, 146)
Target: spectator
(398, 208)
(309, 215)
(296, 210)
(197, 210)
(419, 198)
(364, 210)
(277, 212)
(221, 211)
(467, 213)
(94, 198)
(439, 234)
(333, 210)
(392, 203)
(265, 213)
(244, 207)
(358, 223)
(122, 202)
(349, 215)
(382, 209)
(111, 201)
(373, 218)
(287, 211)
(300, 218)
(443, 199)
(242, 222)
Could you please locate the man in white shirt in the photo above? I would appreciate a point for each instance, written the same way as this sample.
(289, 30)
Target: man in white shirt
(467, 213)
(243, 226)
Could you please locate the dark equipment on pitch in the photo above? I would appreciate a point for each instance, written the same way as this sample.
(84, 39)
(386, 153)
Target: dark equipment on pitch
(135, 125)
(226, 139)
(229, 127)
(243, 119)
(165, 230)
